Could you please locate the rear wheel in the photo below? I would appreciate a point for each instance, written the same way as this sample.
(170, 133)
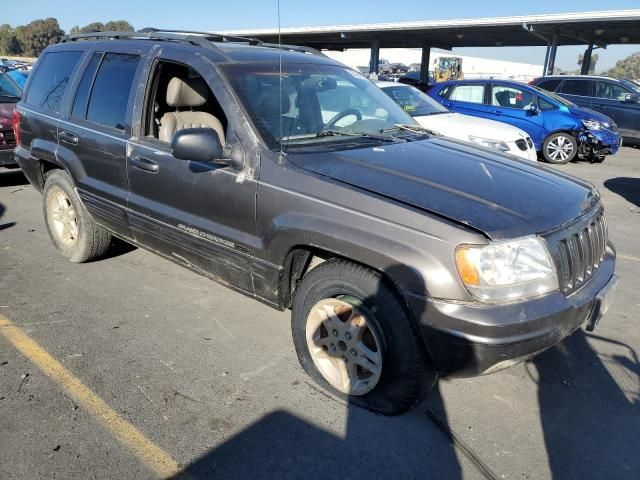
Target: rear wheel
(355, 338)
(560, 148)
(72, 230)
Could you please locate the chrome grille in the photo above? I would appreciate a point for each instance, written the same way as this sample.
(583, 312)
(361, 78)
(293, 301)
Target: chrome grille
(578, 251)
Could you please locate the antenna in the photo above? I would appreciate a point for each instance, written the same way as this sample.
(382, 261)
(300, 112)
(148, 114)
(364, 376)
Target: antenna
(282, 152)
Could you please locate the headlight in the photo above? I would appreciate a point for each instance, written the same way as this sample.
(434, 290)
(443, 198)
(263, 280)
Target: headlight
(508, 270)
(487, 142)
(592, 124)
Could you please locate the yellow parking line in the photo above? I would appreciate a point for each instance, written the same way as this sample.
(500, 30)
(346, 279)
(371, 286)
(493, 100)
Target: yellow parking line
(629, 257)
(144, 449)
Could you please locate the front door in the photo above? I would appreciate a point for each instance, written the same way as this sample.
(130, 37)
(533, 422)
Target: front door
(512, 105)
(201, 215)
(611, 99)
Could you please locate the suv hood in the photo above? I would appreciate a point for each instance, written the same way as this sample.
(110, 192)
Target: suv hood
(497, 195)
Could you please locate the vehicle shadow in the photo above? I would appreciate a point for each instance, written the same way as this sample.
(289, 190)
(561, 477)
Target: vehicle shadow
(589, 417)
(116, 248)
(12, 178)
(626, 187)
(4, 226)
(283, 444)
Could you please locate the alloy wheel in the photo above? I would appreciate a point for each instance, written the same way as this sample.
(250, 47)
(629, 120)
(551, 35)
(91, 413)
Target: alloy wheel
(64, 221)
(560, 148)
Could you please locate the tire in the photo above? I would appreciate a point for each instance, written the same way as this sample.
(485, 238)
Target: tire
(404, 371)
(560, 148)
(71, 229)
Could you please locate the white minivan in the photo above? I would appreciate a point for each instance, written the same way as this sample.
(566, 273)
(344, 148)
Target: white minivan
(432, 115)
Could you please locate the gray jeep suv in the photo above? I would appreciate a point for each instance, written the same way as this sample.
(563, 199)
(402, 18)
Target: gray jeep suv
(292, 179)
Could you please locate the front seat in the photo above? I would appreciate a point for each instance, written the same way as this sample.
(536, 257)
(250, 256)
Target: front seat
(187, 93)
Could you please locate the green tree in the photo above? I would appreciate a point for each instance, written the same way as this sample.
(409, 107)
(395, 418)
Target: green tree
(93, 27)
(75, 29)
(118, 26)
(626, 68)
(9, 44)
(38, 35)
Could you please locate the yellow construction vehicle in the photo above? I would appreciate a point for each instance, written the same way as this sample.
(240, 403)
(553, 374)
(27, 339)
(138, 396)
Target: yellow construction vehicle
(447, 68)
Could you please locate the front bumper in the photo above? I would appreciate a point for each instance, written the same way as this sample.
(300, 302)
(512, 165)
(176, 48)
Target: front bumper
(600, 142)
(468, 339)
(7, 158)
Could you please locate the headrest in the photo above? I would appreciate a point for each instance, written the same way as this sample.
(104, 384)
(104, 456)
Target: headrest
(269, 101)
(192, 92)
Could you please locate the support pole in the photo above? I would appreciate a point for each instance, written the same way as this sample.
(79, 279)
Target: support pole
(552, 54)
(586, 60)
(424, 64)
(546, 60)
(375, 56)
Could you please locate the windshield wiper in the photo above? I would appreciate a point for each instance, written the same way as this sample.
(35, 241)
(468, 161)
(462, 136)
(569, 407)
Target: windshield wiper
(338, 133)
(413, 129)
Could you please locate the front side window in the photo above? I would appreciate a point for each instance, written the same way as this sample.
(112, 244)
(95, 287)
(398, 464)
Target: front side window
(611, 91)
(51, 78)
(413, 101)
(111, 90)
(511, 97)
(312, 103)
(581, 88)
(468, 93)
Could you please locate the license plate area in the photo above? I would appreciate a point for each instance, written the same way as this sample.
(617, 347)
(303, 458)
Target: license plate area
(602, 304)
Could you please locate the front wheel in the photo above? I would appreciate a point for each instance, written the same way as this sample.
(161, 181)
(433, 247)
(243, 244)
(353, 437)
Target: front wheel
(355, 338)
(560, 148)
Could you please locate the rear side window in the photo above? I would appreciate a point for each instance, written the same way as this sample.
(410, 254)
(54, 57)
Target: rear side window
(111, 90)
(50, 80)
(549, 85)
(582, 88)
(79, 108)
(468, 93)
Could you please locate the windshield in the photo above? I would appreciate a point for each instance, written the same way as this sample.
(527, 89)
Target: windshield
(8, 88)
(553, 96)
(631, 85)
(18, 77)
(313, 103)
(413, 101)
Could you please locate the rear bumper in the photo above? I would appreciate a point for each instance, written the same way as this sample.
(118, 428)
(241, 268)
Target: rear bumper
(468, 339)
(7, 158)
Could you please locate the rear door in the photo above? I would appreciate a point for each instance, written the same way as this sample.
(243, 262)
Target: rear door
(93, 135)
(611, 100)
(512, 105)
(468, 98)
(578, 90)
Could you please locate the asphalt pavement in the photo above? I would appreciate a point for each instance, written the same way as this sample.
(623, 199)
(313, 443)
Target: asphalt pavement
(132, 367)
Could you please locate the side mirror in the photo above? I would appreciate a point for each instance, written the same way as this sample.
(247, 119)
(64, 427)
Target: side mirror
(534, 109)
(203, 145)
(631, 98)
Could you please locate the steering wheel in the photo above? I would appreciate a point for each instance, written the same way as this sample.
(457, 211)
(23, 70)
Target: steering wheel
(345, 113)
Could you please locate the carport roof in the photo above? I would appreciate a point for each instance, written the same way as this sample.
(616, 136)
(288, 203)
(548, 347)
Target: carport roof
(603, 28)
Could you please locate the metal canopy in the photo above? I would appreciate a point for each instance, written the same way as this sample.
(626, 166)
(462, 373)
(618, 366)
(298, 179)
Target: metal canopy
(602, 28)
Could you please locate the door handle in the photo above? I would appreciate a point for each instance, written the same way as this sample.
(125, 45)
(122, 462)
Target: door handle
(144, 164)
(68, 137)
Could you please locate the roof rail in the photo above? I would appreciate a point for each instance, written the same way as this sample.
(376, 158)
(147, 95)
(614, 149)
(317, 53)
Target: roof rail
(203, 39)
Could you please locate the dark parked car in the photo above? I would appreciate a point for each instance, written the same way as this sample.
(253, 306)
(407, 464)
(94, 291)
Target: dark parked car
(10, 92)
(296, 181)
(413, 79)
(560, 130)
(618, 99)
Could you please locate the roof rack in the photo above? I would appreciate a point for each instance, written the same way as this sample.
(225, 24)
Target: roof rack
(203, 39)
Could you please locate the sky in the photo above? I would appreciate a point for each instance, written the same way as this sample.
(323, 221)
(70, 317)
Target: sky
(212, 15)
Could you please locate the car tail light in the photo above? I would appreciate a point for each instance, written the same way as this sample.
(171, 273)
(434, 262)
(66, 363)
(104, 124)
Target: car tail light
(16, 126)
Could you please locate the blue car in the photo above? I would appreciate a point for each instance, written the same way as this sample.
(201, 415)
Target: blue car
(560, 130)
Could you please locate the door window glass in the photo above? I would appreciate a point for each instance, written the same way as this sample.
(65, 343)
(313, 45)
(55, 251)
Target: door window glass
(580, 88)
(550, 85)
(82, 94)
(468, 93)
(111, 90)
(545, 105)
(611, 90)
(503, 96)
(51, 78)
